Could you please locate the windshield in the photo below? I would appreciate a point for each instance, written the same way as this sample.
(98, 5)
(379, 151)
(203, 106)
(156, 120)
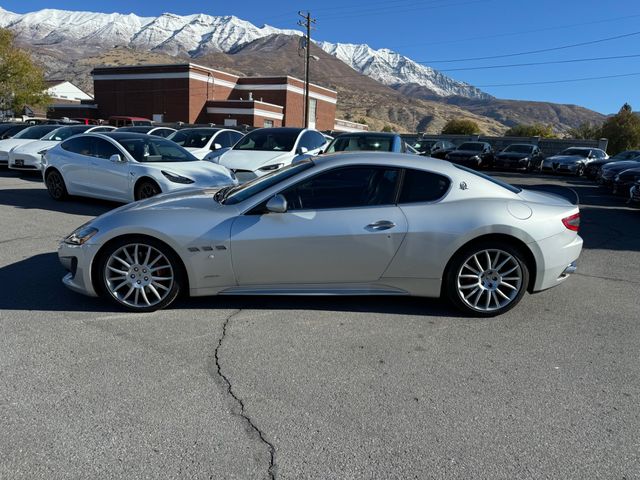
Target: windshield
(257, 185)
(36, 133)
(580, 152)
(495, 181)
(193, 137)
(63, 133)
(474, 147)
(423, 145)
(269, 140)
(628, 155)
(519, 149)
(154, 149)
(372, 143)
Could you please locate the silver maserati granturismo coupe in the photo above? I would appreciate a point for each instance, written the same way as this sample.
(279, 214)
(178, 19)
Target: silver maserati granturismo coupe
(344, 224)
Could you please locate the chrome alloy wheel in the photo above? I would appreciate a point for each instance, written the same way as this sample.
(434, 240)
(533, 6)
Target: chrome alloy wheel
(138, 275)
(489, 280)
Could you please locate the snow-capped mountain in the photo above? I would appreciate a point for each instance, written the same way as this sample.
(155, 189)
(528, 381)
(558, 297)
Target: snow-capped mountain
(391, 68)
(198, 34)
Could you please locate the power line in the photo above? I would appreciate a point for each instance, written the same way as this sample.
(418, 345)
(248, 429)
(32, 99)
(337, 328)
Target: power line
(549, 82)
(419, 7)
(554, 62)
(520, 32)
(592, 42)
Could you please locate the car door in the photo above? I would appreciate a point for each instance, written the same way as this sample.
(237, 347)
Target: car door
(109, 179)
(341, 226)
(73, 161)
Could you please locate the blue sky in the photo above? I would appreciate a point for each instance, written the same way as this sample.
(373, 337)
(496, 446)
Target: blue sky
(436, 30)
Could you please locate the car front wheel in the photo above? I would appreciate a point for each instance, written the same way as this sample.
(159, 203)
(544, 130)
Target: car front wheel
(141, 275)
(55, 185)
(147, 189)
(487, 279)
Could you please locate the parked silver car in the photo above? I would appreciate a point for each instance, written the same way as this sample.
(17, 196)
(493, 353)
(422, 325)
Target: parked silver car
(343, 224)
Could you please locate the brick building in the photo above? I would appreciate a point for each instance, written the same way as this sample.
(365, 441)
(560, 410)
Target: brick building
(195, 94)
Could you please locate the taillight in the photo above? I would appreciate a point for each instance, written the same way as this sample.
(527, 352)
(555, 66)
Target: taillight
(572, 222)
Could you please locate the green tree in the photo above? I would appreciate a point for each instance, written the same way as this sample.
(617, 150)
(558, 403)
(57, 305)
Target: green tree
(535, 130)
(388, 128)
(461, 127)
(622, 130)
(586, 131)
(21, 81)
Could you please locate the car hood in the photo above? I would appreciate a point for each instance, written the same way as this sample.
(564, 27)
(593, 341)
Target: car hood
(630, 172)
(198, 170)
(252, 160)
(35, 146)
(512, 155)
(619, 166)
(9, 143)
(566, 159)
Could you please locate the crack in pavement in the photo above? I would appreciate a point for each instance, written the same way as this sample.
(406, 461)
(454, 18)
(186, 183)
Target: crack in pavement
(613, 279)
(270, 446)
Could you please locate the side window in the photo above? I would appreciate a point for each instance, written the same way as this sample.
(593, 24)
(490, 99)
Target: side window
(347, 187)
(420, 186)
(223, 139)
(163, 132)
(104, 149)
(235, 137)
(80, 145)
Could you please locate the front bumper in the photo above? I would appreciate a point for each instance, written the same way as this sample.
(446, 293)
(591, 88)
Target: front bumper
(18, 161)
(561, 168)
(4, 158)
(77, 260)
(512, 163)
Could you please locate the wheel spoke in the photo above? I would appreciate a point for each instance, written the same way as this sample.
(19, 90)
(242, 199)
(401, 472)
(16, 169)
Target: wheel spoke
(504, 262)
(475, 257)
(121, 272)
(135, 254)
(502, 294)
(488, 301)
(472, 293)
(475, 277)
(128, 257)
(152, 270)
(467, 287)
(466, 265)
(131, 289)
(159, 285)
(495, 299)
(510, 271)
(508, 285)
(144, 296)
(477, 299)
(155, 261)
(146, 258)
(154, 291)
(127, 265)
(488, 259)
(135, 297)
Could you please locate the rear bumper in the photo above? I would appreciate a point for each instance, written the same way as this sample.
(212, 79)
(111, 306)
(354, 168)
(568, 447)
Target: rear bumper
(557, 262)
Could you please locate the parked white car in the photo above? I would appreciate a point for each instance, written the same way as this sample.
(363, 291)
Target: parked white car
(124, 167)
(267, 149)
(201, 141)
(29, 156)
(22, 138)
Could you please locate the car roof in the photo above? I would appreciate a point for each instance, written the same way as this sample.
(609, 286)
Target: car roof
(400, 160)
(367, 134)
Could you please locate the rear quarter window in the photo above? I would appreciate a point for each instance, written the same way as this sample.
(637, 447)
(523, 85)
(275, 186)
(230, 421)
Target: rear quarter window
(420, 186)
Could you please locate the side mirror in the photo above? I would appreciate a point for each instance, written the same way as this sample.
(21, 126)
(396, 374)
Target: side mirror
(277, 204)
(302, 150)
(115, 158)
(217, 146)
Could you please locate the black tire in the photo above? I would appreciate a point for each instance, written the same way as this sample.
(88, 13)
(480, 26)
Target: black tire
(105, 286)
(147, 189)
(55, 185)
(455, 268)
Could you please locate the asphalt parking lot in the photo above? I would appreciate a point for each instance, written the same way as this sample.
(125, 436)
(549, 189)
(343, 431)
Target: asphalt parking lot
(322, 388)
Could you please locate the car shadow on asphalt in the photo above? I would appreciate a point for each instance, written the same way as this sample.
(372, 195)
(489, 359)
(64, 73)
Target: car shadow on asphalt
(29, 198)
(35, 284)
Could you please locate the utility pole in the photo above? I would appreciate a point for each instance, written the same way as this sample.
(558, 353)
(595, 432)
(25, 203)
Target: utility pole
(306, 22)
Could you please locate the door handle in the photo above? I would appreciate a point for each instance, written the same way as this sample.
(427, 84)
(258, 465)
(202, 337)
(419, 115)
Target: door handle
(381, 225)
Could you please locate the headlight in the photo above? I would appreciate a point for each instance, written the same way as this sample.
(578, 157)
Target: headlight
(172, 177)
(81, 235)
(271, 168)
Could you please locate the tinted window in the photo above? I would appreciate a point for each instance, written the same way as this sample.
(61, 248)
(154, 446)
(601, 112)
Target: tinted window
(312, 140)
(580, 152)
(223, 139)
(193, 137)
(420, 186)
(346, 143)
(235, 137)
(10, 132)
(101, 129)
(154, 149)
(519, 148)
(80, 145)
(36, 132)
(135, 129)
(63, 133)
(473, 147)
(269, 140)
(162, 132)
(104, 149)
(344, 188)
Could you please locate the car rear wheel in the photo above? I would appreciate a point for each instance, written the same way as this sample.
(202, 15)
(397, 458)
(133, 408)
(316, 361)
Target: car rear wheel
(140, 275)
(147, 189)
(55, 185)
(487, 279)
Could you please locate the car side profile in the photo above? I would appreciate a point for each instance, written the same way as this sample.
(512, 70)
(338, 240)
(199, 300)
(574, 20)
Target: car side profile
(519, 156)
(343, 224)
(573, 160)
(28, 157)
(124, 167)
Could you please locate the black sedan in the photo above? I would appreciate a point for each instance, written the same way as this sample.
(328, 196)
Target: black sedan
(472, 154)
(624, 180)
(519, 156)
(635, 193)
(433, 148)
(609, 171)
(592, 170)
